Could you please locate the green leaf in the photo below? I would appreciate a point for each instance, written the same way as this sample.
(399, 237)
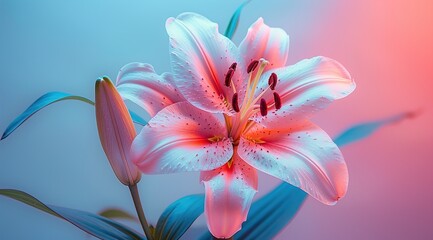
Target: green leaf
(234, 20)
(116, 213)
(40, 103)
(50, 98)
(178, 217)
(27, 199)
(100, 227)
(363, 130)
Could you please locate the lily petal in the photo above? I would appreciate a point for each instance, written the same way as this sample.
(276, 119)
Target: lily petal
(304, 88)
(182, 138)
(200, 59)
(116, 131)
(262, 41)
(138, 83)
(303, 156)
(229, 192)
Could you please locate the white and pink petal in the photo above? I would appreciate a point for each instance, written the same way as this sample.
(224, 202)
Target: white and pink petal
(304, 88)
(265, 42)
(200, 60)
(229, 192)
(182, 138)
(138, 83)
(303, 156)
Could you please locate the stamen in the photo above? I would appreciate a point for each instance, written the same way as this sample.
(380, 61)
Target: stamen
(272, 81)
(229, 76)
(277, 100)
(233, 66)
(263, 107)
(252, 66)
(235, 103)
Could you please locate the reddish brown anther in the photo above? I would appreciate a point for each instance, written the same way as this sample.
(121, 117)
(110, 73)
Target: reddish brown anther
(273, 81)
(252, 66)
(277, 100)
(229, 76)
(233, 66)
(235, 102)
(263, 107)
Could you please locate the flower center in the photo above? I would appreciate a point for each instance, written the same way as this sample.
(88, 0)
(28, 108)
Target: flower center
(251, 104)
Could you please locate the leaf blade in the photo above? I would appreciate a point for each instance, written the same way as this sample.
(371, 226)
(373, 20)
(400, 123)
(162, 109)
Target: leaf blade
(234, 20)
(269, 218)
(100, 227)
(137, 118)
(116, 213)
(40, 103)
(48, 99)
(363, 130)
(188, 209)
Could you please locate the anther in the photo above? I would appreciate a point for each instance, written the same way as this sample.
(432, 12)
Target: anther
(263, 107)
(229, 76)
(235, 103)
(277, 100)
(273, 81)
(233, 66)
(252, 66)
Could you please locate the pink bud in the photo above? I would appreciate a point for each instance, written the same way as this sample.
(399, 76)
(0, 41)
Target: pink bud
(116, 131)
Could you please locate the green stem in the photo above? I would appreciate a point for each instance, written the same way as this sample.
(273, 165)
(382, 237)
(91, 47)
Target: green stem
(139, 208)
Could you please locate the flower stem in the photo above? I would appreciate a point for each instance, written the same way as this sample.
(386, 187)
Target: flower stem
(137, 203)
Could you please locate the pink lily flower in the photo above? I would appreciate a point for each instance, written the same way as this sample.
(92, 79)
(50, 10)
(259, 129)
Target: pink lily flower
(116, 131)
(229, 111)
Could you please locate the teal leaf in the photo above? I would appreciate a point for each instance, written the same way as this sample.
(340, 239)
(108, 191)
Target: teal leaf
(100, 227)
(137, 119)
(178, 217)
(271, 213)
(50, 98)
(363, 130)
(234, 20)
(116, 213)
(37, 105)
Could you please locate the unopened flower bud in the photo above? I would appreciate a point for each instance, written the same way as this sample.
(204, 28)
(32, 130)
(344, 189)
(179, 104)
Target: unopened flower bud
(116, 131)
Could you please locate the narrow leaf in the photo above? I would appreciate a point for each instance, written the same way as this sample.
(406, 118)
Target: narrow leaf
(137, 119)
(116, 213)
(50, 98)
(37, 105)
(363, 130)
(27, 199)
(178, 217)
(100, 227)
(234, 20)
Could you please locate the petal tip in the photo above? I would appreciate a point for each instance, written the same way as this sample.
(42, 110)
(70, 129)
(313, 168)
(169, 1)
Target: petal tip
(169, 21)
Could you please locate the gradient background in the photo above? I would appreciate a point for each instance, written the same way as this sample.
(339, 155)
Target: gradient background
(65, 45)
